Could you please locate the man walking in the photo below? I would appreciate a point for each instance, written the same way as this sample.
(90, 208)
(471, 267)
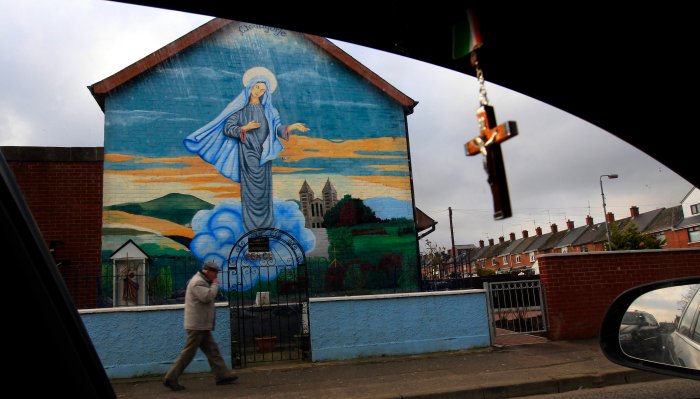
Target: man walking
(200, 318)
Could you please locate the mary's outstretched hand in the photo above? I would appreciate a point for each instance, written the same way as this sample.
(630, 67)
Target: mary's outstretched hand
(295, 126)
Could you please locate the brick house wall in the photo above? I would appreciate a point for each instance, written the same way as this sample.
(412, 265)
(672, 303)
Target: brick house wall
(63, 189)
(679, 239)
(676, 239)
(580, 287)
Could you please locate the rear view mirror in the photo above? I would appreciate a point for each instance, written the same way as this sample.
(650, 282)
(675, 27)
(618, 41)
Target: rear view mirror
(656, 327)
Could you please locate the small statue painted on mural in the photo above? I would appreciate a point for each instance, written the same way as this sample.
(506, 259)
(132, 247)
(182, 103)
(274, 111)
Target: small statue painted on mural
(131, 289)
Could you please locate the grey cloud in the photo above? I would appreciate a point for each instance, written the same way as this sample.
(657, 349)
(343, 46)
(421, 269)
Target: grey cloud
(135, 117)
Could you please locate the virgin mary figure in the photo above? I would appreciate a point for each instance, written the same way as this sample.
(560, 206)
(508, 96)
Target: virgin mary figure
(242, 142)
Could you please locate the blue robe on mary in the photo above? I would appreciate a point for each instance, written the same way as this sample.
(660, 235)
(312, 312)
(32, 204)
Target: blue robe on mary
(249, 163)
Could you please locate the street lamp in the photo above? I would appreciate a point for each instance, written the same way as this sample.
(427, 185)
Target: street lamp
(605, 212)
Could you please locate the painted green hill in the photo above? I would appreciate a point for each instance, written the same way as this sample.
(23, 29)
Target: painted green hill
(174, 207)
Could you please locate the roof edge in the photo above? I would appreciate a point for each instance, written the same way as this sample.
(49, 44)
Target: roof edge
(129, 241)
(407, 102)
(101, 88)
(688, 195)
(52, 154)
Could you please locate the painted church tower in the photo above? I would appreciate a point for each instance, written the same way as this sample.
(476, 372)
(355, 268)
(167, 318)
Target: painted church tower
(306, 197)
(330, 196)
(315, 208)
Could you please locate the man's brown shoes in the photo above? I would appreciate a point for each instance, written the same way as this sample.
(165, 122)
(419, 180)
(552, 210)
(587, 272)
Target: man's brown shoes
(173, 385)
(226, 380)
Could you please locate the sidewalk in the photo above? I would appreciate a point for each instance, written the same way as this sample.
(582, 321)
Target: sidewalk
(497, 372)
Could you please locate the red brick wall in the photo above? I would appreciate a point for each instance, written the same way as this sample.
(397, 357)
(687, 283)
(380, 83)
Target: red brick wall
(679, 239)
(580, 287)
(63, 189)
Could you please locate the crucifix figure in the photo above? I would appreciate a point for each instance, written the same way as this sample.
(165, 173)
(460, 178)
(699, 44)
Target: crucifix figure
(488, 143)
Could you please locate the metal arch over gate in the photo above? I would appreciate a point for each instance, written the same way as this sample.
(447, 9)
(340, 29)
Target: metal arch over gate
(268, 298)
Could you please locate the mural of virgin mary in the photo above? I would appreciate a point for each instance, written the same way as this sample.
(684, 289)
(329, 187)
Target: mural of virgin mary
(242, 141)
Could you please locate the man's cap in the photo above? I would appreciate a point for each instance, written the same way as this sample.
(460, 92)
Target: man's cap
(211, 266)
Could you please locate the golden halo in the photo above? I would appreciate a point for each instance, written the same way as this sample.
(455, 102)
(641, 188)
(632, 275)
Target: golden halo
(260, 71)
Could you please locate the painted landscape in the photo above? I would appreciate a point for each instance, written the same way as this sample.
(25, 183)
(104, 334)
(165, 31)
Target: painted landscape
(365, 253)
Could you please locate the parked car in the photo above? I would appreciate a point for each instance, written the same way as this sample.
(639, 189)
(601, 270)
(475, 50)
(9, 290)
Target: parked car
(505, 270)
(684, 336)
(640, 335)
(683, 344)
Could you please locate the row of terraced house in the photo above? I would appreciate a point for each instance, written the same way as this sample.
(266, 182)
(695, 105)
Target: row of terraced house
(678, 226)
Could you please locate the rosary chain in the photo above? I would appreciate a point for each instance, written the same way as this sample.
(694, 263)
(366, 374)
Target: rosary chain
(483, 97)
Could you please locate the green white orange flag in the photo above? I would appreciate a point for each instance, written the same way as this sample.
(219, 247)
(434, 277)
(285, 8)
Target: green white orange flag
(465, 36)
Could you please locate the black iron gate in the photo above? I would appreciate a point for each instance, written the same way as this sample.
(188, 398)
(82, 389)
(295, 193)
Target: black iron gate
(516, 307)
(268, 298)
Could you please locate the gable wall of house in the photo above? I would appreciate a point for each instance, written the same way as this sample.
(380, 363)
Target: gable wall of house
(169, 198)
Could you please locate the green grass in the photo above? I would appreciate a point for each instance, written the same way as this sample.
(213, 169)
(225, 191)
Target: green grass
(372, 247)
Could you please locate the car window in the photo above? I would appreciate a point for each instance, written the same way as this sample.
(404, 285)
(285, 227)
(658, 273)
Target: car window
(651, 320)
(632, 318)
(685, 326)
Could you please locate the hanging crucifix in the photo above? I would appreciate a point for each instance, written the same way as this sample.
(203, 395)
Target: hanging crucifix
(488, 144)
(490, 135)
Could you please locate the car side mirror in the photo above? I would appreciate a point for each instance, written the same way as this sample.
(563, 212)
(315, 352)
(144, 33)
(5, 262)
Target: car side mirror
(668, 340)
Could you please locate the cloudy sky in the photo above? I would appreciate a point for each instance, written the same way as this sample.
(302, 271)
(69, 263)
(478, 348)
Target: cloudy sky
(51, 51)
(665, 303)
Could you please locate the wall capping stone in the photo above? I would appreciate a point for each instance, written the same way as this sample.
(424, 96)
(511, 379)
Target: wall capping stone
(52, 154)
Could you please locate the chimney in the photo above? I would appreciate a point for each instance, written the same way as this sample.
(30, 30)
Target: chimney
(554, 228)
(481, 243)
(589, 220)
(538, 231)
(512, 236)
(490, 242)
(634, 211)
(610, 217)
(525, 233)
(570, 224)
(501, 239)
